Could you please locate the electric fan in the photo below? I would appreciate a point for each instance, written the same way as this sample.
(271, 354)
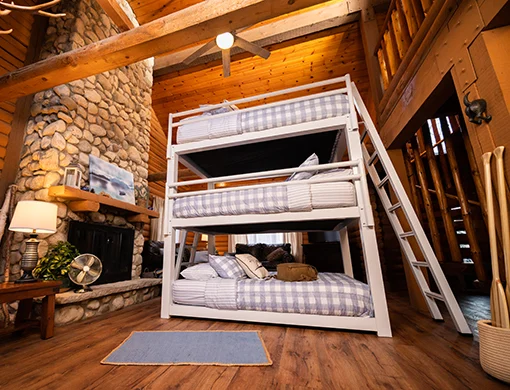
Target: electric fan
(85, 269)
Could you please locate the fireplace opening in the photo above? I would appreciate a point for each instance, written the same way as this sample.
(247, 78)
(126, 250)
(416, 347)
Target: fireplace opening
(113, 246)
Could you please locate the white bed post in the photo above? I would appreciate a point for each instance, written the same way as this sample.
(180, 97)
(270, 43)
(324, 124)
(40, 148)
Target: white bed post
(366, 224)
(211, 239)
(169, 230)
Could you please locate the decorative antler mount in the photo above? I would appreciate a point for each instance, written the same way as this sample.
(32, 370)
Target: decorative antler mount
(39, 9)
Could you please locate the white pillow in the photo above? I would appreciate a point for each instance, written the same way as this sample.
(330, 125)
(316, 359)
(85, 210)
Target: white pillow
(226, 267)
(312, 160)
(253, 268)
(199, 272)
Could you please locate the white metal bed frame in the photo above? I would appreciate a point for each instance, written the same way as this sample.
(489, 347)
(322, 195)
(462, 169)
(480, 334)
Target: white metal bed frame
(361, 213)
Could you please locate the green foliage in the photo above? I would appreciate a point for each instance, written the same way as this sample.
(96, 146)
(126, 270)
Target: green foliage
(55, 265)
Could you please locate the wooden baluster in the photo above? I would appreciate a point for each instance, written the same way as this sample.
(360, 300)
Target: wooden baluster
(411, 176)
(418, 12)
(427, 202)
(404, 29)
(465, 208)
(445, 168)
(386, 61)
(401, 35)
(384, 70)
(391, 47)
(451, 236)
(426, 6)
(410, 17)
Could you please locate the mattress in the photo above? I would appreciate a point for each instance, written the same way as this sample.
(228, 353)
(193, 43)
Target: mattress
(305, 196)
(332, 294)
(284, 114)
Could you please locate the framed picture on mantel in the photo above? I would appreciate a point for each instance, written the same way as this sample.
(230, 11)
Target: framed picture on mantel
(112, 180)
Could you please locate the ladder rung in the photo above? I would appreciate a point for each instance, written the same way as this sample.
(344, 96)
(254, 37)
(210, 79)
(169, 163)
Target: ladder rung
(434, 295)
(372, 158)
(383, 181)
(394, 207)
(420, 264)
(406, 234)
(364, 134)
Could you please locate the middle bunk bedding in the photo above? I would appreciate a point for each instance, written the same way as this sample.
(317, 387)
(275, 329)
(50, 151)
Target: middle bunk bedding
(303, 197)
(331, 294)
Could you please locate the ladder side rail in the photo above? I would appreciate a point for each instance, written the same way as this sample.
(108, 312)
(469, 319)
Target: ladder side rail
(211, 239)
(368, 236)
(412, 218)
(169, 231)
(404, 244)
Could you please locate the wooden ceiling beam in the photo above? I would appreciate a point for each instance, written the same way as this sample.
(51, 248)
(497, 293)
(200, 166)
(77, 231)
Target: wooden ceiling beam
(331, 15)
(193, 24)
(117, 14)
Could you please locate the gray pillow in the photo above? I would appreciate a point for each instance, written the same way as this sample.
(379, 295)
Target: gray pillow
(312, 160)
(226, 267)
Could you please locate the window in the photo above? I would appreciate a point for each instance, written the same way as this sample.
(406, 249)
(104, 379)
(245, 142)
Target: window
(267, 238)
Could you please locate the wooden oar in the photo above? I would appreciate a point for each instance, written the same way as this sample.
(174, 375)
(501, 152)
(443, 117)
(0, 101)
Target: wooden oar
(499, 308)
(503, 210)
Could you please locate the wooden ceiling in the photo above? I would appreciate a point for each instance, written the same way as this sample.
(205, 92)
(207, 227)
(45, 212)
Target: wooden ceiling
(320, 56)
(149, 10)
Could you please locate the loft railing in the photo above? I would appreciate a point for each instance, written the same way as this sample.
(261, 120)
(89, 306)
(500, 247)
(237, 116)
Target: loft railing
(410, 26)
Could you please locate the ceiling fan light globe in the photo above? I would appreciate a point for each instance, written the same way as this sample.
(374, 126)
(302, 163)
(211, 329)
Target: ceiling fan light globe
(225, 41)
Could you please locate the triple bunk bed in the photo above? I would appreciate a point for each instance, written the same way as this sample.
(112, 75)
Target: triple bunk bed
(223, 144)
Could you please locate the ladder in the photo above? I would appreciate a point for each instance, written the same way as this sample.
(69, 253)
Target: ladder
(386, 179)
(182, 245)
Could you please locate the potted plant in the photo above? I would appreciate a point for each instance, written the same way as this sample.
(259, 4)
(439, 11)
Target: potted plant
(55, 265)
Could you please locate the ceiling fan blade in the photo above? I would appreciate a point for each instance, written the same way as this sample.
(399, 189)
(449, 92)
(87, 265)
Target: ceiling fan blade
(225, 56)
(252, 48)
(204, 49)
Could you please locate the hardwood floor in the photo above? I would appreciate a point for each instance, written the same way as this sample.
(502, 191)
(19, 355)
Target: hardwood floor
(423, 354)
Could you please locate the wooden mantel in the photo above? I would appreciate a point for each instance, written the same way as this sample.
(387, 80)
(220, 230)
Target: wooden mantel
(84, 201)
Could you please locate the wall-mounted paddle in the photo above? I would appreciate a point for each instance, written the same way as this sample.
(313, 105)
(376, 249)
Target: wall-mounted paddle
(499, 307)
(503, 209)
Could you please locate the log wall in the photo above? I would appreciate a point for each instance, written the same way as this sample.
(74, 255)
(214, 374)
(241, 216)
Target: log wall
(13, 52)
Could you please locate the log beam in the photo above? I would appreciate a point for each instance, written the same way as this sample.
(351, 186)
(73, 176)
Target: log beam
(200, 22)
(117, 14)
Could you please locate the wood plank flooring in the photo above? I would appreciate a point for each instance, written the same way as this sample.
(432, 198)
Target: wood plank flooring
(423, 354)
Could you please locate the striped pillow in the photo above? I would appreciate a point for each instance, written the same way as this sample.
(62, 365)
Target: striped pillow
(226, 267)
(201, 271)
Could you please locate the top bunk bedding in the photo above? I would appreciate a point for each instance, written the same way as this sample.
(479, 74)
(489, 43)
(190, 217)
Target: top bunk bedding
(264, 118)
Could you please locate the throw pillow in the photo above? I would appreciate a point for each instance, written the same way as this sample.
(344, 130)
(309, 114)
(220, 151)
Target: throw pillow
(226, 267)
(276, 255)
(253, 268)
(199, 272)
(312, 160)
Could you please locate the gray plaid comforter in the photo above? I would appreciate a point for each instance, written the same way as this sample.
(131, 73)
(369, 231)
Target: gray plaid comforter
(266, 200)
(293, 113)
(332, 294)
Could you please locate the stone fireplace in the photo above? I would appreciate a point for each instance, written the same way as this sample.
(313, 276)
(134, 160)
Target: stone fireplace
(107, 116)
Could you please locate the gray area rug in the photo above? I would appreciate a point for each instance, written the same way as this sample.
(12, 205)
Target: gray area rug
(215, 348)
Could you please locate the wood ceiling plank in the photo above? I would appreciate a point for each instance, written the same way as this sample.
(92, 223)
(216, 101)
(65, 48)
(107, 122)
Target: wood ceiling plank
(196, 23)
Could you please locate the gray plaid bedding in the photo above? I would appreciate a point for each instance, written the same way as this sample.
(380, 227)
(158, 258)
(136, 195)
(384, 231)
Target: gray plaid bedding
(267, 200)
(332, 294)
(293, 113)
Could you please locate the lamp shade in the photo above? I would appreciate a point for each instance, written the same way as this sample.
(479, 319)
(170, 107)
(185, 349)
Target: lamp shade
(204, 237)
(35, 217)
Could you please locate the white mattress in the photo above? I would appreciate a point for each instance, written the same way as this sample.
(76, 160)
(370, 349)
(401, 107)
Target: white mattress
(189, 292)
(306, 196)
(216, 126)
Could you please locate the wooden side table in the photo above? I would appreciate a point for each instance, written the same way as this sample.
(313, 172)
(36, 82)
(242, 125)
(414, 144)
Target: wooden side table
(25, 293)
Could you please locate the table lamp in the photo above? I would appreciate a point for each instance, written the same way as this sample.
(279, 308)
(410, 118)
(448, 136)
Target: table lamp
(205, 237)
(33, 217)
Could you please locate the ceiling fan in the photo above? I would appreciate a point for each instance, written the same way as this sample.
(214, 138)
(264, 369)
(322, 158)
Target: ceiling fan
(225, 42)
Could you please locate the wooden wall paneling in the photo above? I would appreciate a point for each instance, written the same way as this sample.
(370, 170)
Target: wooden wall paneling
(148, 10)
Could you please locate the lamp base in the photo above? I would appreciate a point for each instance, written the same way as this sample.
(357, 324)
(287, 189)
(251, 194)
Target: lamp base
(26, 278)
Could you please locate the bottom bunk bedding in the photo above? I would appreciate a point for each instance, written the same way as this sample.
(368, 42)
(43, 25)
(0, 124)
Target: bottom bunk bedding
(332, 294)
